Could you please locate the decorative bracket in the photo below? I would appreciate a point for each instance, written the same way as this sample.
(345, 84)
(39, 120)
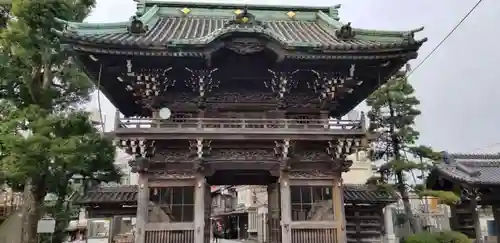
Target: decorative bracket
(139, 148)
(202, 149)
(147, 84)
(328, 84)
(281, 84)
(470, 194)
(338, 150)
(325, 85)
(139, 165)
(284, 150)
(202, 82)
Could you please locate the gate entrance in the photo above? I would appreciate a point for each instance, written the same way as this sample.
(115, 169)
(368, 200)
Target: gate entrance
(232, 94)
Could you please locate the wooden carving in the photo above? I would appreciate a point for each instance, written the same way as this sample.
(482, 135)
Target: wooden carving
(242, 154)
(312, 156)
(173, 174)
(139, 165)
(139, 147)
(241, 97)
(311, 174)
(178, 155)
(245, 46)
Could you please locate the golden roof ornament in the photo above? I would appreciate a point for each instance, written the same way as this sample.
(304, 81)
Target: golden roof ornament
(243, 17)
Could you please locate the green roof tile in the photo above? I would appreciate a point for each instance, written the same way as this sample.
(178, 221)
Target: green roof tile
(203, 23)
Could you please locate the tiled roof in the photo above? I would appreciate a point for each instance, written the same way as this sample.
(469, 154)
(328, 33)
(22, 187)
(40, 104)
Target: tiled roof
(367, 194)
(128, 195)
(198, 30)
(479, 169)
(111, 194)
(167, 27)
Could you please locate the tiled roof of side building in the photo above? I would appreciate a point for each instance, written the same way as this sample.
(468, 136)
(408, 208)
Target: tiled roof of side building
(474, 169)
(177, 24)
(128, 195)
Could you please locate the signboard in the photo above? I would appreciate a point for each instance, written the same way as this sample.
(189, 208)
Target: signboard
(45, 226)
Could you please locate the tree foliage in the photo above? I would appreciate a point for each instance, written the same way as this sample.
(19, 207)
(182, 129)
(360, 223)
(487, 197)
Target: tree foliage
(45, 139)
(437, 237)
(393, 110)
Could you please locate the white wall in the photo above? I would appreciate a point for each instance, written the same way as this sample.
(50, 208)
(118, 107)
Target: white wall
(246, 195)
(361, 169)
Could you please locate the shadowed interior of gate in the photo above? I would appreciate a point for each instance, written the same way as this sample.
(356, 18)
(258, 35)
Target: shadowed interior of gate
(241, 177)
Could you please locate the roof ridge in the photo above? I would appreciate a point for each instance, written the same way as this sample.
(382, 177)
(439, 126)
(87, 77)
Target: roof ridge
(225, 5)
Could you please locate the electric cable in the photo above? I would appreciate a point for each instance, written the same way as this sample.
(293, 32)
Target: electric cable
(446, 37)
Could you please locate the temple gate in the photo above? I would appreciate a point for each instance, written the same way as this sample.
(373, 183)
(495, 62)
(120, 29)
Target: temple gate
(213, 94)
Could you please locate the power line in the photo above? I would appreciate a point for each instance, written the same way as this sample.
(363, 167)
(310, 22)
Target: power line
(446, 37)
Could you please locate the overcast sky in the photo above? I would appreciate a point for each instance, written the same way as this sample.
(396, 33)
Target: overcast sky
(457, 86)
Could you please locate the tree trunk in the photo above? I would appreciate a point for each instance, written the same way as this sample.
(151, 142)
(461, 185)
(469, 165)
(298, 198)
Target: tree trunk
(401, 185)
(61, 215)
(32, 210)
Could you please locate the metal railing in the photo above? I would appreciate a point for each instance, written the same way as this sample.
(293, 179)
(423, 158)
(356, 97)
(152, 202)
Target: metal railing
(246, 123)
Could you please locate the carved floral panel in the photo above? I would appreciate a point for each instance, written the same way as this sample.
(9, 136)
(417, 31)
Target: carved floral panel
(242, 154)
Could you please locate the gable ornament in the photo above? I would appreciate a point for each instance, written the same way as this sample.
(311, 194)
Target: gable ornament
(345, 32)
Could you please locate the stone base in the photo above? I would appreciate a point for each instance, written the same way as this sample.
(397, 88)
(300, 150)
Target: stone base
(390, 238)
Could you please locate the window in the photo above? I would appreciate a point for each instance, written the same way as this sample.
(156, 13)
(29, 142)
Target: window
(99, 228)
(171, 204)
(311, 203)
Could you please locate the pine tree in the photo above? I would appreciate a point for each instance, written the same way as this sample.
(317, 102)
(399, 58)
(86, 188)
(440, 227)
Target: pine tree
(44, 138)
(393, 110)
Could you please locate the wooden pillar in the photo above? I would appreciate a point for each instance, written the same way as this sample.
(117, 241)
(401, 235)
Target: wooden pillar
(273, 214)
(389, 236)
(475, 219)
(338, 209)
(208, 210)
(286, 210)
(142, 208)
(496, 215)
(199, 208)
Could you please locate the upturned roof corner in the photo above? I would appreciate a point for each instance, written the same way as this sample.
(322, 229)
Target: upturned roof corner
(333, 21)
(146, 18)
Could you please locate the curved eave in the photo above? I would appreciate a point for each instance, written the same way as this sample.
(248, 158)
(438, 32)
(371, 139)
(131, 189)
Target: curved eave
(441, 172)
(147, 18)
(375, 51)
(367, 32)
